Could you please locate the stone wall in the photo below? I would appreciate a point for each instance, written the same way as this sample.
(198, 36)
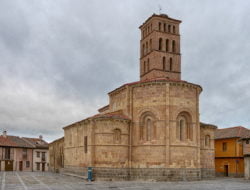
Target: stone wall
(151, 174)
(56, 155)
(247, 167)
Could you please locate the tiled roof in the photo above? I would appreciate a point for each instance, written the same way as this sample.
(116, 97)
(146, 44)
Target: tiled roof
(153, 80)
(246, 135)
(232, 132)
(208, 125)
(14, 141)
(160, 15)
(106, 115)
(62, 138)
(36, 142)
(111, 115)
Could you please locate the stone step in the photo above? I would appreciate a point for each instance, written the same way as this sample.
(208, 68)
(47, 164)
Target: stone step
(75, 175)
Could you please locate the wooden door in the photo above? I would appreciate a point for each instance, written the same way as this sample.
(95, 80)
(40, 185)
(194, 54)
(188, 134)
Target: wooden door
(20, 165)
(226, 170)
(43, 167)
(8, 165)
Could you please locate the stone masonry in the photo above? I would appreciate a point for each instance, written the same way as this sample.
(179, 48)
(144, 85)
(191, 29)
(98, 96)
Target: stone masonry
(150, 129)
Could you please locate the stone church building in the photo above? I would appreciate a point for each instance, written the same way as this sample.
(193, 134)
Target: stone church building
(151, 128)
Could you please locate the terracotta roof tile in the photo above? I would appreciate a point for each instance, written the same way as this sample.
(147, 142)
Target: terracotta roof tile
(36, 142)
(232, 132)
(14, 141)
(152, 80)
(111, 115)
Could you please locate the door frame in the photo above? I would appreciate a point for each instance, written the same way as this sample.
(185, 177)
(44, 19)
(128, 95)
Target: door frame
(226, 169)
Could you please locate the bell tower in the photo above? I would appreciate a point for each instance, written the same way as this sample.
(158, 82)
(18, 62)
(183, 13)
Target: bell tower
(160, 48)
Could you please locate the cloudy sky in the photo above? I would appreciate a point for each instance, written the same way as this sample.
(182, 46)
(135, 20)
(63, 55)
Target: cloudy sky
(60, 58)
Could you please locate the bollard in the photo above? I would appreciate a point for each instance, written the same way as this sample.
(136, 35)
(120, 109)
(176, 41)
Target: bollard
(90, 174)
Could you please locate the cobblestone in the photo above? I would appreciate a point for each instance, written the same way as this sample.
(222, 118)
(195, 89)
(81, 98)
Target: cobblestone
(53, 181)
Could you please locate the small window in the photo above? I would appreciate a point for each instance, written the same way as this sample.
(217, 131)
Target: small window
(25, 153)
(27, 164)
(159, 26)
(173, 46)
(148, 65)
(146, 47)
(7, 153)
(148, 129)
(169, 28)
(43, 157)
(85, 144)
(164, 63)
(37, 166)
(165, 27)
(207, 141)
(170, 64)
(38, 154)
(224, 147)
(117, 136)
(174, 29)
(182, 128)
(150, 44)
(144, 67)
(167, 44)
(160, 44)
(247, 141)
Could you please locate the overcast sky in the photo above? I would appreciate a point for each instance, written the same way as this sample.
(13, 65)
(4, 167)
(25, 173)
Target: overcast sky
(60, 58)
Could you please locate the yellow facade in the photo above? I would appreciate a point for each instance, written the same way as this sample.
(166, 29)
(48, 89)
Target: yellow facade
(229, 159)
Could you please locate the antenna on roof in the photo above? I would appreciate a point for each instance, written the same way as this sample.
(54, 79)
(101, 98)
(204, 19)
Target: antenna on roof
(159, 6)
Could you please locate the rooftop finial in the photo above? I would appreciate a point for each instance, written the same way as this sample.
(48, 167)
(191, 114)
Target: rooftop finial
(159, 6)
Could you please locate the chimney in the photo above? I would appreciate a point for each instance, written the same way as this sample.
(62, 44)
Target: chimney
(40, 137)
(5, 133)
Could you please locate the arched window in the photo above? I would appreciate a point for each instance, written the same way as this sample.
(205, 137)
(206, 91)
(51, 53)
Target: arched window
(164, 63)
(148, 65)
(207, 141)
(150, 44)
(170, 64)
(160, 43)
(169, 28)
(184, 127)
(173, 46)
(159, 26)
(147, 128)
(117, 136)
(146, 47)
(174, 29)
(167, 44)
(165, 27)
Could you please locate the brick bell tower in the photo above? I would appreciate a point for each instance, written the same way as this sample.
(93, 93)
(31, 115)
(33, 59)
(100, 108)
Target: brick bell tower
(160, 48)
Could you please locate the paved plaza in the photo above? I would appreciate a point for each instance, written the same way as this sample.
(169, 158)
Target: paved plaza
(52, 181)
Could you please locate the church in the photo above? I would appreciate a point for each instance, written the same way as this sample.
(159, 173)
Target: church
(151, 129)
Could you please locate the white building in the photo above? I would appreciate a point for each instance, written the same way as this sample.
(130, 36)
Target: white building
(40, 153)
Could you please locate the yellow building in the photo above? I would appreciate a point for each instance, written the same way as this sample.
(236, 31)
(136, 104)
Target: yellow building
(229, 160)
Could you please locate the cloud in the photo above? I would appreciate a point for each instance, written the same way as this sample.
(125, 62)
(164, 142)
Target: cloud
(60, 58)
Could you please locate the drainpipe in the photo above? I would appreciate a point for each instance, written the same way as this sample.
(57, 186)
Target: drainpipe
(32, 160)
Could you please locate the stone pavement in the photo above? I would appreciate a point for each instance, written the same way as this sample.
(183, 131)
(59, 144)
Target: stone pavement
(52, 181)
